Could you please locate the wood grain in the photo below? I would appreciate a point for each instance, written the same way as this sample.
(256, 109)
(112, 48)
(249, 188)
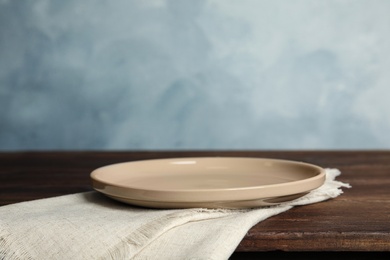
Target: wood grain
(357, 221)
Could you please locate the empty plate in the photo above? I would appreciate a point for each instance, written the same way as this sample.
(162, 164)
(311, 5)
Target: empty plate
(208, 182)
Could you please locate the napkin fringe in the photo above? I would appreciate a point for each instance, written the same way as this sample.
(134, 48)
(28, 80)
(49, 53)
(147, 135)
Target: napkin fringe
(329, 190)
(8, 245)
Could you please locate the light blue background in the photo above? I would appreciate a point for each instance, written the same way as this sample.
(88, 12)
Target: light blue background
(212, 74)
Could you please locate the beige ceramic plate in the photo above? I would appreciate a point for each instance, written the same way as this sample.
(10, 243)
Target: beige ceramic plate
(220, 182)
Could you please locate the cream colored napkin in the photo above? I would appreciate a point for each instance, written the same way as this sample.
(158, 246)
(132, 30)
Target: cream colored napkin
(91, 226)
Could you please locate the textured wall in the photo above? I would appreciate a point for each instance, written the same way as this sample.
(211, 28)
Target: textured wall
(213, 74)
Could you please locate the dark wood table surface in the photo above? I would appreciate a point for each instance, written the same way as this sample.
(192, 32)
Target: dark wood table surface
(354, 225)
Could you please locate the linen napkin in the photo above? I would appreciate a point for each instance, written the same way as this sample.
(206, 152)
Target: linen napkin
(90, 226)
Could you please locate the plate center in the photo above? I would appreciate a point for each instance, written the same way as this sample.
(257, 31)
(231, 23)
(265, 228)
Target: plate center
(195, 181)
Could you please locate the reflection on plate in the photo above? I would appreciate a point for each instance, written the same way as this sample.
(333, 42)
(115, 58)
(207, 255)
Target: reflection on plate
(207, 182)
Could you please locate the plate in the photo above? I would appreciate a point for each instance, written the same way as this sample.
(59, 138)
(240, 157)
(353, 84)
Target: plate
(207, 182)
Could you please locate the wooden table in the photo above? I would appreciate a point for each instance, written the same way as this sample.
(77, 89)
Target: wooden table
(354, 225)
